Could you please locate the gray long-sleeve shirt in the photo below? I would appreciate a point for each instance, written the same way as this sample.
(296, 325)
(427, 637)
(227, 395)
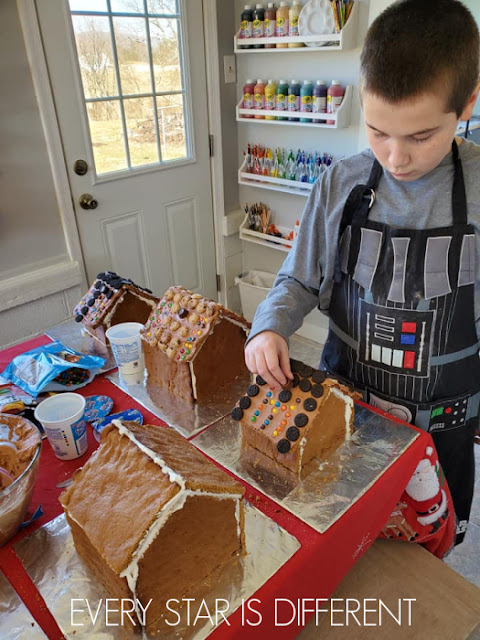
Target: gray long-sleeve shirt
(306, 277)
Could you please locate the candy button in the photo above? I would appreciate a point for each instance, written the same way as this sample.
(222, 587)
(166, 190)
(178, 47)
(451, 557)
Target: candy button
(267, 422)
(283, 445)
(284, 423)
(288, 414)
(257, 413)
(253, 419)
(301, 420)
(292, 407)
(78, 318)
(269, 394)
(245, 402)
(277, 404)
(252, 390)
(293, 434)
(237, 413)
(284, 395)
(272, 401)
(274, 411)
(275, 433)
(310, 404)
(284, 408)
(84, 310)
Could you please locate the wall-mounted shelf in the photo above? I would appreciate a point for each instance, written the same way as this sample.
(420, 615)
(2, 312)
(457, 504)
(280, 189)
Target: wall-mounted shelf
(341, 116)
(264, 239)
(346, 39)
(273, 184)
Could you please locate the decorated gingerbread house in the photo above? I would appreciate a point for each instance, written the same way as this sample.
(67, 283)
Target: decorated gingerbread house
(110, 300)
(152, 517)
(193, 346)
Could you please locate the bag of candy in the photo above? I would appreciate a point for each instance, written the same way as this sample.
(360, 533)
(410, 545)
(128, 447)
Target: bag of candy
(52, 367)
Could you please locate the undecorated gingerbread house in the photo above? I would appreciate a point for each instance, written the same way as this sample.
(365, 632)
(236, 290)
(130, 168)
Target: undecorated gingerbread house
(193, 346)
(298, 426)
(152, 517)
(110, 300)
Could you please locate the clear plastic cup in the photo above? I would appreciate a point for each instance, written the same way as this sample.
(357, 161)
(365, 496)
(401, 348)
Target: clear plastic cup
(126, 346)
(66, 430)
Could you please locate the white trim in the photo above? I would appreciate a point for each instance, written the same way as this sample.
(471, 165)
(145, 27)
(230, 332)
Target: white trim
(47, 280)
(41, 282)
(215, 128)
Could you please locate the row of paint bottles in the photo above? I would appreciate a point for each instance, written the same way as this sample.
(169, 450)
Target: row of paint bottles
(293, 97)
(271, 22)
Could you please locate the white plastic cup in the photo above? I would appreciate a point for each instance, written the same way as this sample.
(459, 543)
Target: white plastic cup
(62, 418)
(126, 346)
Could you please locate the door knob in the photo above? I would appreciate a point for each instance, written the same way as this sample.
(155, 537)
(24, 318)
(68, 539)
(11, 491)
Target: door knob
(80, 167)
(88, 202)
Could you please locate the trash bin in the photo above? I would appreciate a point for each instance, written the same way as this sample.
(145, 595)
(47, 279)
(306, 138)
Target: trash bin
(254, 287)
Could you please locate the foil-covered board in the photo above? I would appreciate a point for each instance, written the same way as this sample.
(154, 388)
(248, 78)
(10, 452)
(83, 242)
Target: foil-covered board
(52, 562)
(16, 621)
(187, 418)
(331, 488)
(73, 335)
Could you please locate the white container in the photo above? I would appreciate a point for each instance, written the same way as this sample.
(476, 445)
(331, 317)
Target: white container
(254, 287)
(126, 346)
(62, 418)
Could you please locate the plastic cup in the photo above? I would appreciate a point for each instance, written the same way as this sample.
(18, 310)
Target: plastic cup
(126, 346)
(66, 430)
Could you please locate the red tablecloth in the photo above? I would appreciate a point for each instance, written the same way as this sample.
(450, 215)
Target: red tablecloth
(313, 572)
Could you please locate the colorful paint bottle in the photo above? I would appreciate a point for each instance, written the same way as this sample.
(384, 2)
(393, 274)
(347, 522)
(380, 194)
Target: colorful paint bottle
(269, 24)
(259, 98)
(294, 98)
(293, 16)
(270, 91)
(281, 98)
(258, 24)
(281, 30)
(335, 95)
(249, 96)
(246, 27)
(306, 95)
(319, 99)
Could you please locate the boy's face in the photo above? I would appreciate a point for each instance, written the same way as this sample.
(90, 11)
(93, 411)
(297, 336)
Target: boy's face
(409, 138)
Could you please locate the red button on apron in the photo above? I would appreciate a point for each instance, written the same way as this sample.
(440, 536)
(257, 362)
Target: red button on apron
(409, 360)
(409, 327)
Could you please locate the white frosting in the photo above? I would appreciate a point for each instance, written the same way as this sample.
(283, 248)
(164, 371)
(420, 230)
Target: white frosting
(194, 379)
(348, 410)
(237, 323)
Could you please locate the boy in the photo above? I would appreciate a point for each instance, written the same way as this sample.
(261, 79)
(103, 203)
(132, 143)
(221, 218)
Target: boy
(388, 240)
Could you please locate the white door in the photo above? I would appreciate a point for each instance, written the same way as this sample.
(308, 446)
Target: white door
(129, 85)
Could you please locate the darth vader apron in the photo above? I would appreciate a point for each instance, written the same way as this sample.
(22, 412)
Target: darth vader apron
(402, 326)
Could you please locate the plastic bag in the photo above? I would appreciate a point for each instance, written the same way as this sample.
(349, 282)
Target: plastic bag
(52, 367)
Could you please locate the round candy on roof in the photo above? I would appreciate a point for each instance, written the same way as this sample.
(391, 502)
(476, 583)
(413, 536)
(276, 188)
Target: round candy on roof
(97, 407)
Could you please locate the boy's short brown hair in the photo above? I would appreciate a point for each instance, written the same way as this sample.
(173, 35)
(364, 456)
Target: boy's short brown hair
(419, 45)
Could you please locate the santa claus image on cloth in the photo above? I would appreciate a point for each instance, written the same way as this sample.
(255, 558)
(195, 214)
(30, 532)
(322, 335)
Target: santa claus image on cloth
(425, 494)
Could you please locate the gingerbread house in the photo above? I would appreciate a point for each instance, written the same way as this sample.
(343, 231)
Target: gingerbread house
(152, 517)
(193, 346)
(110, 300)
(298, 426)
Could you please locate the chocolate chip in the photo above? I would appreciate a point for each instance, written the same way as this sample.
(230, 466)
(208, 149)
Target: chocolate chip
(293, 434)
(262, 426)
(301, 420)
(310, 404)
(270, 417)
(259, 380)
(265, 401)
(183, 313)
(85, 310)
(91, 302)
(317, 391)
(252, 390)
(78, 318)
(109, 294)
(283, 445)
(319, 376)
(284, 395)
(305, 385)
(296, 380)
(237, 413)
(245, 402)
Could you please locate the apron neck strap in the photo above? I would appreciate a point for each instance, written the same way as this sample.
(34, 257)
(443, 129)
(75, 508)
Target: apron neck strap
(459, 198)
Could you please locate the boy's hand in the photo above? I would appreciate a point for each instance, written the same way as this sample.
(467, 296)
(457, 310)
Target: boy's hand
(267, 355)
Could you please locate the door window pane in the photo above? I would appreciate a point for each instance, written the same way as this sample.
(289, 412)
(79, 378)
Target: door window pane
(162, 6)
(88, 5)
(106, 132)
(165, 53)
(142, 135)
(171, 126)
(127, 6)
(132, 52)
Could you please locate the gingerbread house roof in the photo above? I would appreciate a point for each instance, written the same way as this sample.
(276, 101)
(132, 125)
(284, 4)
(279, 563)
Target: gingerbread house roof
(139, 474)
(183, 321)
(108, 290)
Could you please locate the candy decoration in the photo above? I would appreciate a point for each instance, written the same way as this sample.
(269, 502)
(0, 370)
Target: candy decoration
(259, 380)
(301, 420)
(305, 385)
(319, 376)
(284, 395)
(310, 404)
(283, 445)
(245, 402)
(293, 434)
(237, 413)
(317, 391)
(252, 390)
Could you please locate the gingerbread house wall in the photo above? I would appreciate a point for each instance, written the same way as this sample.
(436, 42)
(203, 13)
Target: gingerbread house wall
(168, 374)
(131, 309)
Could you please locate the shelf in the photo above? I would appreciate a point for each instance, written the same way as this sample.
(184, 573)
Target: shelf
(273, 184)
(346, 39)
(341, 116)
(264, 239)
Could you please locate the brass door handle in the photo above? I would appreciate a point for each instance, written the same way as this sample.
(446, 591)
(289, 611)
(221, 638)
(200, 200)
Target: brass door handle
(87, 201)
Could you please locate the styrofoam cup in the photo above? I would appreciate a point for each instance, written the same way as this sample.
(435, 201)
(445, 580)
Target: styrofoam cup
(126, 346)
(62, 418)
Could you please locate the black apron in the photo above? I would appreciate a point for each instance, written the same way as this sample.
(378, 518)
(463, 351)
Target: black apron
(402, 326)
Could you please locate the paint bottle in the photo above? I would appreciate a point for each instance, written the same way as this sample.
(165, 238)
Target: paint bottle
(258, 24)
(319, 104)
(294, 98)
(335, 95)
(269, 24)
(306, 95)
(270, 91)
(259, 98)
(281, 29)
(248, 96)
(296, 229)
(246, 27)
(293, 15)
(281, 98)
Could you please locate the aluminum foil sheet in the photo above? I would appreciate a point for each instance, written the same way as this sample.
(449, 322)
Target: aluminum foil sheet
(331, 488)
(188, 419)
(50, 558)
(73, 335)
(16, 621)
